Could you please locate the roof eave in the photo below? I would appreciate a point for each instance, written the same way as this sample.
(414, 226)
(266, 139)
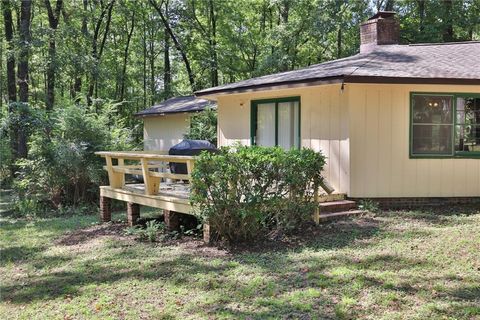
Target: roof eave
(270, 86)
(159, 114)
(336, 79)
(410, 80)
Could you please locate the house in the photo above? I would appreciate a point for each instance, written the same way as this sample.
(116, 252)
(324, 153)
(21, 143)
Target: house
(394, 121)
(166, 123)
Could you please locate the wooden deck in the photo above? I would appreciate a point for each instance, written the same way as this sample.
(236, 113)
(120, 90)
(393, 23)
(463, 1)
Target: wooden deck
(170, 196)
(162, 188)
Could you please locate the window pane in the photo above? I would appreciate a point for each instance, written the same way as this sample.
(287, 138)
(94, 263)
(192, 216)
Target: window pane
(432, 139)
(288, 124)
(467, 131)
(266, 124)
(467, 138)
(432, 109)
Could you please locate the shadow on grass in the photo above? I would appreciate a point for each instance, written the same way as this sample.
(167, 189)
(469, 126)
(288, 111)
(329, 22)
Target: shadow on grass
(265, 276)
(437, 215)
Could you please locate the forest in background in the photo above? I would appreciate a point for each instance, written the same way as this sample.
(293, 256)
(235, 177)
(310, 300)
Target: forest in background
(73, 72)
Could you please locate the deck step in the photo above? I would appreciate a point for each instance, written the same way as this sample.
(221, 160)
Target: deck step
(331, 197)
(337, 206)
(339, 215)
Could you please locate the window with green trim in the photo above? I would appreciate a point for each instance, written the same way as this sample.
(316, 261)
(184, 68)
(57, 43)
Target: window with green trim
(445, 125)
(276, 122)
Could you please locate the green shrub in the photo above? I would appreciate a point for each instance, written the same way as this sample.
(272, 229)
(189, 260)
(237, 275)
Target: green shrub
(150, 232)
(61, 168)
(203, 126)
(246, 192)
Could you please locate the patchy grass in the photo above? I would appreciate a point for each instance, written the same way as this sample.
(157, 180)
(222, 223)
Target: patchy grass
(395, 265)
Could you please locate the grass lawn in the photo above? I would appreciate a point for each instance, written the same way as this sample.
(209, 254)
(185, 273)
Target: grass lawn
(394, 265)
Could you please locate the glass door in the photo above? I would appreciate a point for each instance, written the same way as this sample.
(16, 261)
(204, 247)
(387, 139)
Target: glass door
(266, 124)
(276, 122)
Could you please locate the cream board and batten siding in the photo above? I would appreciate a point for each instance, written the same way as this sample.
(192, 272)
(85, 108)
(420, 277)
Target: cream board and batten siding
(163, 132)
(324, 125)
(379, 147)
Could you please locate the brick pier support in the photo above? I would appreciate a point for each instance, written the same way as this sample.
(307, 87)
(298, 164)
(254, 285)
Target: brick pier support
(171, 219)
(105, 209)
(207, 233)
(133, 213)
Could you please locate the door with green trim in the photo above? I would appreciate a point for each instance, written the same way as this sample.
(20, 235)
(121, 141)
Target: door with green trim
(276, 122)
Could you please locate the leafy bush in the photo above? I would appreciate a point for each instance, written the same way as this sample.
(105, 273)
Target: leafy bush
(203, 126)
(6, 161)
(246, 192)
(61, 168)
(150, 232)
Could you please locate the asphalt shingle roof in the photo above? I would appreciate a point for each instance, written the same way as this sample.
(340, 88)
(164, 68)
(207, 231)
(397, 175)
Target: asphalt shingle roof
(460, 61)
(177, 105)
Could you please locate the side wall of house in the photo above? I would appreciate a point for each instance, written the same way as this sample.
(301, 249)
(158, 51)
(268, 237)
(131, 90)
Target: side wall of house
(162, 132)
(324, 125)
(379, 147)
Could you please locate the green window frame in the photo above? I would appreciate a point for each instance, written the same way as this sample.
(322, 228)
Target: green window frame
(454, 127)
(254, 112)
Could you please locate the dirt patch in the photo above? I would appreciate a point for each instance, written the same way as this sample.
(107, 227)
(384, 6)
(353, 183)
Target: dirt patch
(324, 234)
(111, 230)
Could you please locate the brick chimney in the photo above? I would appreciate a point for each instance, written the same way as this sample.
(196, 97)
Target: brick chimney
(380, 29)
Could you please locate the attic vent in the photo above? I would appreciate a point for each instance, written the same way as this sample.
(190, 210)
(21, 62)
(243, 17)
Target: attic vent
(380, 29)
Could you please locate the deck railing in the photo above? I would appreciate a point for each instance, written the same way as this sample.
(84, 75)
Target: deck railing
(152, 165)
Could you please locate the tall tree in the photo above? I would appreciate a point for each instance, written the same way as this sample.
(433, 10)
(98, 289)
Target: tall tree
(96, 51)
(176, 42)
(125, 57)
(53, 19)
(447, 20)
(167, 68)
(23, 69)
(11, 85)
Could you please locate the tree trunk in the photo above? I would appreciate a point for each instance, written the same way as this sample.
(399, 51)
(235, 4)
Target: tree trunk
(144, 43)
(77, 85)
(8, 24)
(213, 45)
(23, 69)
(339, 42)
(151, 62)
(447, 21)
(421, 15)
(53, 18)
(167, 70)
(125, 58)
(11, 85)
(96, 54)
(176, 42)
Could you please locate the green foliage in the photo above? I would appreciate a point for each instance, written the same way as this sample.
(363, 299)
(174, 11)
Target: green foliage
(6, 161)
(369, 205)
(203, 126)
(245, 192)
(27, 206)
(150, 232)
(61, 168)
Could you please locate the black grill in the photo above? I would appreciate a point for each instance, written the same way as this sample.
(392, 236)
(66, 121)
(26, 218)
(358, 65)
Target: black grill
(188, 148)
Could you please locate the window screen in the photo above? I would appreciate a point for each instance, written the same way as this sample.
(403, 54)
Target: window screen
(432, 125)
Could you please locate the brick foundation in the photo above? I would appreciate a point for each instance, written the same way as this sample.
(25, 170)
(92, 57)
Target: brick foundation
(207, 233)
(133, 213)
(105, 209)
(172, 220)
(418, 202)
